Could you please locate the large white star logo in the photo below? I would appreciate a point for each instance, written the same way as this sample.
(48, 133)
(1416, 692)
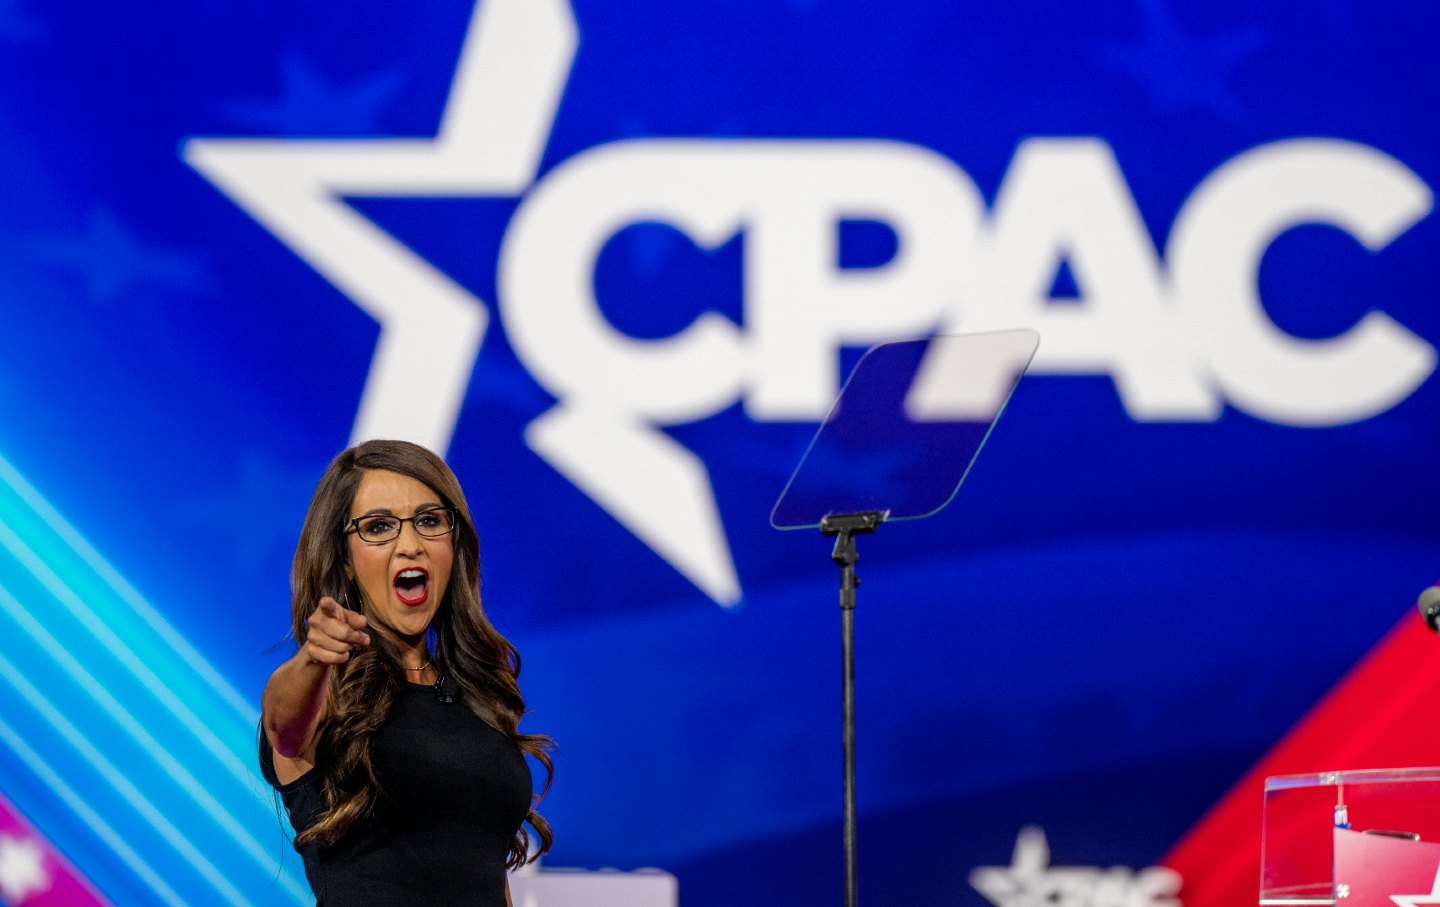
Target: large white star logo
(489, 144)
(22, 869)
(507, 86)
(1420, 900)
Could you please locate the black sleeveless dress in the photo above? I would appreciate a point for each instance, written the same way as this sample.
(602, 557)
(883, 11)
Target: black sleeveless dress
(456, 792)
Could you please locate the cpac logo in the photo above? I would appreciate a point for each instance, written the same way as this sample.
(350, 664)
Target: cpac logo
(1030, 881)
(1181, 334)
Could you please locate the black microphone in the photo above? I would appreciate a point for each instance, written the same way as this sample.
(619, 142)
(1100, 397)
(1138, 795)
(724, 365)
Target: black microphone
(446, 689)
(1429, 605)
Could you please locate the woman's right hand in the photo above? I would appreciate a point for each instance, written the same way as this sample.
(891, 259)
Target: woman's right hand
(332, 632)
(295, 695)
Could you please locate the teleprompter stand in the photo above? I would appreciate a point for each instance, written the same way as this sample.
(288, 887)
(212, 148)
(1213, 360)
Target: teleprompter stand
(897, 443)
(845, 528)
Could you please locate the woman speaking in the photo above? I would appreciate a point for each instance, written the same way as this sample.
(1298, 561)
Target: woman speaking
(392, 733)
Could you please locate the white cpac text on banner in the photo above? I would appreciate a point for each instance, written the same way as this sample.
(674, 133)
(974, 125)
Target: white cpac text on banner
(1179, 341)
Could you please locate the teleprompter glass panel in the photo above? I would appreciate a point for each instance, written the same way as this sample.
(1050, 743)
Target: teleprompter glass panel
(906, 427)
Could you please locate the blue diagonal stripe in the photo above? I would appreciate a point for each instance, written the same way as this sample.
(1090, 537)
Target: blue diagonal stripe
(132, 721)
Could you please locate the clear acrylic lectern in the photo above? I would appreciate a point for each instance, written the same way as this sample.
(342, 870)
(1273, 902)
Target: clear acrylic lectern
(1352, 839)
(898, 442)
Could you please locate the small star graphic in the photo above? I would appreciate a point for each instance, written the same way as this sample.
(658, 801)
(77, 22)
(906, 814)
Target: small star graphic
(311, 104)
(1182, 71)
(22, 869)
(115, 263)
(1419, 900)
(1009, 886)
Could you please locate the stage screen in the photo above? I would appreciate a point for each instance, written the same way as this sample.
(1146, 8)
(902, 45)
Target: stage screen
(613, 260)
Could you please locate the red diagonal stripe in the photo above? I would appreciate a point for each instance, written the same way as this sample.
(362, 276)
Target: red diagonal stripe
(64, 886)
(1382, 714)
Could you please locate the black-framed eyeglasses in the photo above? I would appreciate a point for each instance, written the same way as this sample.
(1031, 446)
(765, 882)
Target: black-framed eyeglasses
(382, 527)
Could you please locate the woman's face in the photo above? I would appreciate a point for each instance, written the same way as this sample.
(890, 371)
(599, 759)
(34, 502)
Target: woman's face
(402, 581)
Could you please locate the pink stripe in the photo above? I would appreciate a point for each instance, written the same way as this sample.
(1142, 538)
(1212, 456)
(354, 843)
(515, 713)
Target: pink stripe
(33, 873)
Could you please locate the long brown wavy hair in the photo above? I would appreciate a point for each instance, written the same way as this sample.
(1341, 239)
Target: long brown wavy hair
(469, 651)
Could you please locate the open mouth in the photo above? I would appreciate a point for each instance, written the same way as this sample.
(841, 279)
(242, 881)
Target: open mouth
(412, 586)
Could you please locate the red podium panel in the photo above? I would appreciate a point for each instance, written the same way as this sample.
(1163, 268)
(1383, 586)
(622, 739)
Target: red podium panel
(1383, 870)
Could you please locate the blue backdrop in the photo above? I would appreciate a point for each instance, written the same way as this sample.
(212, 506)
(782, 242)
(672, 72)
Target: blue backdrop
(613, 259)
